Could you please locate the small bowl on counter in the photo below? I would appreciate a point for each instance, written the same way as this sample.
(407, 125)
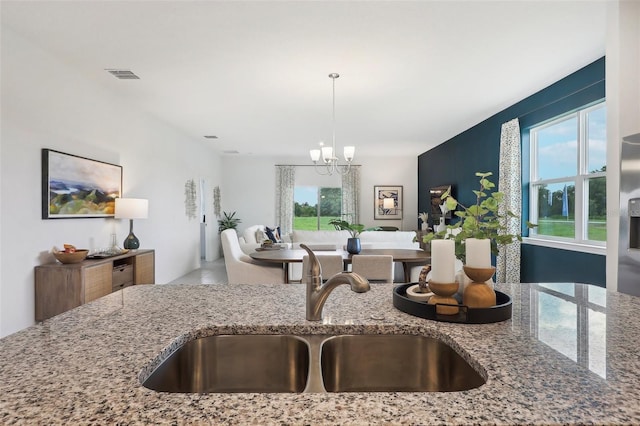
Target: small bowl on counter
(74, 257)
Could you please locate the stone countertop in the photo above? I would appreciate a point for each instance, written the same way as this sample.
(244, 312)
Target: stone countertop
(568, 355)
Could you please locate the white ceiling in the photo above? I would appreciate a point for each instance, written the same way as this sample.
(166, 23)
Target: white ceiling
(413, 74)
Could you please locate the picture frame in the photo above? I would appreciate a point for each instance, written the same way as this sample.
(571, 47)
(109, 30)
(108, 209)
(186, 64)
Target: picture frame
(435, 200)
(382, 211)
(78, 187)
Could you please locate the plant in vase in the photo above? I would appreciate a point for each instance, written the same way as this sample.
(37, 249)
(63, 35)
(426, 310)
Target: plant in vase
(481, 220)
(228, 221)
(424, 216)
(353, 243)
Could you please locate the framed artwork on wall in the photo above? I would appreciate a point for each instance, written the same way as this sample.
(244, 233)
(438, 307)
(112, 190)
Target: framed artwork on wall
(387, 202)
(78, 187)
(435, 199)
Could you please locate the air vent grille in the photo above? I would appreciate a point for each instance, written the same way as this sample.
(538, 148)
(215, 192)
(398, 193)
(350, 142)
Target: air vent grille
(123, 74)
(210, 136)
(231, 152)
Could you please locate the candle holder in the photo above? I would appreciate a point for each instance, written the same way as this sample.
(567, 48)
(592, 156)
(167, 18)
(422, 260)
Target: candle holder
(478, 294)
(442, 296)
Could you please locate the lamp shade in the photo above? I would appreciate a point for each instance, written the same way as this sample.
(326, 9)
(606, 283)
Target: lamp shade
(131, 208)
(388, 203)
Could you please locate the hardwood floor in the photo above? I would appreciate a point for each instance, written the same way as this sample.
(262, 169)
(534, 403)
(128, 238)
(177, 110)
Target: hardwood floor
(209, 273)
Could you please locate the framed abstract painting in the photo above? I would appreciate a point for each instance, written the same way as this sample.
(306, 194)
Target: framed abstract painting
(387, 202)
(78, 187)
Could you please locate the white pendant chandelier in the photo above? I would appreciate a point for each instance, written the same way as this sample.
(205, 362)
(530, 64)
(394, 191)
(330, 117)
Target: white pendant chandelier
(328, 154)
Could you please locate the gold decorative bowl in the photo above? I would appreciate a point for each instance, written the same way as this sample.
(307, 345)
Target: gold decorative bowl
(479, 275)
(75, 257)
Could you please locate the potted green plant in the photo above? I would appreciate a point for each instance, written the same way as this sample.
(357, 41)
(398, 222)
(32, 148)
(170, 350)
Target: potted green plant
(228, 221)
(481, 220)
(353, 243)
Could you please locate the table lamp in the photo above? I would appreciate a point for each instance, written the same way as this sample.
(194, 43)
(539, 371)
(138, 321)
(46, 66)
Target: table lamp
(131, 208)
(388, 203)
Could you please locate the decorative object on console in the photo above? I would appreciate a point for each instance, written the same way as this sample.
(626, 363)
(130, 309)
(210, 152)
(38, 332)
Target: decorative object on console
(229, 221)
(74, 187)
(392, 196)
(131, 208)
(424, 217)
(329, 153)
(70, 254)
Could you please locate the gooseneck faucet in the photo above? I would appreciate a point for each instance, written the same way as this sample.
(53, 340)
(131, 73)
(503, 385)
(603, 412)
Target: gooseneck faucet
(317, 292)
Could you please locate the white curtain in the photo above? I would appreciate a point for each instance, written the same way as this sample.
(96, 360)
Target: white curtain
(351, 195)
(285, 185)
(508, 261)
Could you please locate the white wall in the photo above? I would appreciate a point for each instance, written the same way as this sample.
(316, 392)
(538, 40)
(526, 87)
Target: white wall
(249, 184)
(623, 110)
(47, 103)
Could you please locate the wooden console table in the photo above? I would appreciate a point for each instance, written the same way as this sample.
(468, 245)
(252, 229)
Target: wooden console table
(60, 288)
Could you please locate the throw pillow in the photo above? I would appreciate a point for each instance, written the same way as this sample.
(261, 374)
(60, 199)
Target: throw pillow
(261, 236)
(273, 234)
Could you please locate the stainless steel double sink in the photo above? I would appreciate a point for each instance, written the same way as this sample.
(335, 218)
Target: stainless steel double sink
(309, 363)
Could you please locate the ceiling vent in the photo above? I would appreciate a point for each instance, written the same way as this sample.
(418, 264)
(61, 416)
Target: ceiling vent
(231, 152)
(123, 74)
(210, 136)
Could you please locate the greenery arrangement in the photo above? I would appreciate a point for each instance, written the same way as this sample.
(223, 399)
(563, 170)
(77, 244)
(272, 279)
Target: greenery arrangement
(480, 220)
(228, 221)
(354, 228)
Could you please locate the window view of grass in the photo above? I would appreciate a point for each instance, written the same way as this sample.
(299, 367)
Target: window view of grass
(315, 207)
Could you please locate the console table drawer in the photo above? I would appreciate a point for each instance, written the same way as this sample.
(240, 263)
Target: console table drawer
(122, 276)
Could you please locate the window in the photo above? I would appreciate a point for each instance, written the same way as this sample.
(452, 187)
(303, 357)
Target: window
(568, 177)
(314, 207)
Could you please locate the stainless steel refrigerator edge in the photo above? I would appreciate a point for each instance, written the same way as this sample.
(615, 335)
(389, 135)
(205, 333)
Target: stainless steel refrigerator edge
(629, 240)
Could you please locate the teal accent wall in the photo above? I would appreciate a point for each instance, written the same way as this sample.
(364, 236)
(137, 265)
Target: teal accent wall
(477, 149)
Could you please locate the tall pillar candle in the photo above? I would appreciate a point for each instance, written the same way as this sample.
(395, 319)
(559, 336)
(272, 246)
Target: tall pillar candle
(478, 252)
(443, 261)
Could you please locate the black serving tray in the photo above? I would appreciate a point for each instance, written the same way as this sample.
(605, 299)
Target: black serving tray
(467, 315)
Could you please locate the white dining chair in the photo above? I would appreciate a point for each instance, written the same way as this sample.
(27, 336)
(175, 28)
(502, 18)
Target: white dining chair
(241, 269)
(330, 264)
(375, 268)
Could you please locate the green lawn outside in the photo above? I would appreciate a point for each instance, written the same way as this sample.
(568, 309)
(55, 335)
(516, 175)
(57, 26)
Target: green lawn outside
(566, 228)
(311, 223)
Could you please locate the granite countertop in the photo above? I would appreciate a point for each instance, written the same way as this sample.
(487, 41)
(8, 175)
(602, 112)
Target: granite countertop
(568, 355)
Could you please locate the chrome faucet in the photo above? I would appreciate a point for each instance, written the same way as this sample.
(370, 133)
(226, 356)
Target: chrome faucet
(317, 292)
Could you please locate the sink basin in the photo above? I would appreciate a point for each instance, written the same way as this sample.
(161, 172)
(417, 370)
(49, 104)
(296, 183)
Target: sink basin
(314, 364)
(235, 363)
(394, 363)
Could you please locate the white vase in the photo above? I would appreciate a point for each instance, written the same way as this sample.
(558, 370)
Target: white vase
(441, 226)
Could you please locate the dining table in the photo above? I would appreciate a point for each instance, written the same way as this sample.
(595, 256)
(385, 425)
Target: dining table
(285, 256)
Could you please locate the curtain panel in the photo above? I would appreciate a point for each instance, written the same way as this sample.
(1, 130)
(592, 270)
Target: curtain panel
(285, 185)
(510, 183)
(351, 195)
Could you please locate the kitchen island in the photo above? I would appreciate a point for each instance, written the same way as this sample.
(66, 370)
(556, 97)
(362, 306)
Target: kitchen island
(568, 355)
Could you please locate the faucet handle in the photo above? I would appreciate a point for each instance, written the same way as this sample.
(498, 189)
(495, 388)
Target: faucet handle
(315, 270)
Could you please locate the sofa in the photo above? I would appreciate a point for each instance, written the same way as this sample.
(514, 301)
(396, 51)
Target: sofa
(333, 240)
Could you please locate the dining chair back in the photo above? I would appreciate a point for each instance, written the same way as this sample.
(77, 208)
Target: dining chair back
(330, 264)
(375, 268)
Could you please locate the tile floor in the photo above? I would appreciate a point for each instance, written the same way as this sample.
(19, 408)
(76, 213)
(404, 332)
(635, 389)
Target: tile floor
(209, 273)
